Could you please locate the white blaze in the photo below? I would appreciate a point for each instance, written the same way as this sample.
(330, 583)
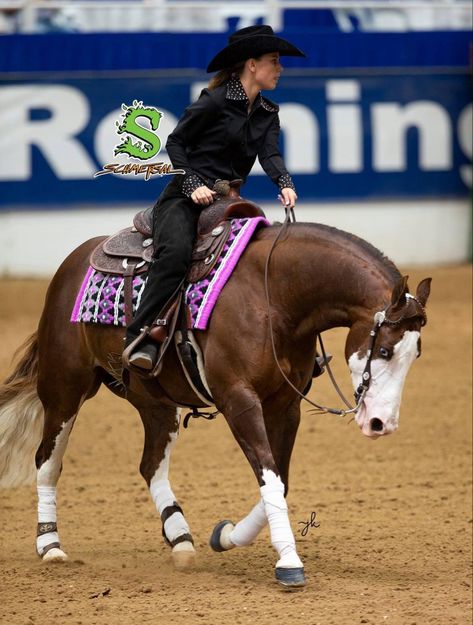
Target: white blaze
(383, 398)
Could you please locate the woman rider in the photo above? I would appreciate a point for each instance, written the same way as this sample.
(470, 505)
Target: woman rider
(218, 137)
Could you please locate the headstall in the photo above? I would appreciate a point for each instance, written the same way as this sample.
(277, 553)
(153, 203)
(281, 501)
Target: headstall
(379, 320)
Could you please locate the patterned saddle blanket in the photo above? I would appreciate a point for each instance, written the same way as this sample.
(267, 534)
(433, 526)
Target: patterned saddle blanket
(101, 296)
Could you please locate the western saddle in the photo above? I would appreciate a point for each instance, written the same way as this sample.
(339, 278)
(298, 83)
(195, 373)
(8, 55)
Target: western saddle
(129, 251)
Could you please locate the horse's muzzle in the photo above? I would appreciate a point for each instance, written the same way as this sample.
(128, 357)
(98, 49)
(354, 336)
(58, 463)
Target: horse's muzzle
(374, 427)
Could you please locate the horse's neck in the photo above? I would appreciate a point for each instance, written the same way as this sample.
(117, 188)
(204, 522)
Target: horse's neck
(331, 285)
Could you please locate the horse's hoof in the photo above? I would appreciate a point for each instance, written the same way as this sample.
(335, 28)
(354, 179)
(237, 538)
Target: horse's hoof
(54, 556)
(290, 578)
(183, 555)
(220, 538)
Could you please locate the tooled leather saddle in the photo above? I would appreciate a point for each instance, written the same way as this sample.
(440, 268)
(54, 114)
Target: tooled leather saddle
(129, 251)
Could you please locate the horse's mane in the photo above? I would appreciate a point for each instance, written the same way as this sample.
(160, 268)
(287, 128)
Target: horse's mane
(347, 239)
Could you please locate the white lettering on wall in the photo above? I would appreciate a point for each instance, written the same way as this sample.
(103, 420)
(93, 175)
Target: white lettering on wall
(68, 113)
(465, 138)
(345, 126)
(390, 122)
(300, 130)
(55, 137)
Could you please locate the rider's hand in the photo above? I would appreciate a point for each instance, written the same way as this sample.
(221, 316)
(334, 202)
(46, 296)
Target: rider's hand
(203, 196)
(288, 197)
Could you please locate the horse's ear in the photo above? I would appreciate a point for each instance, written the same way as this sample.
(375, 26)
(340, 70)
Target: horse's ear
(399, 292)
(423, 291)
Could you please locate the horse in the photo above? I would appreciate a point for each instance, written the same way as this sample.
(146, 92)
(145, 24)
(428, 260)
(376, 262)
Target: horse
(319, 278)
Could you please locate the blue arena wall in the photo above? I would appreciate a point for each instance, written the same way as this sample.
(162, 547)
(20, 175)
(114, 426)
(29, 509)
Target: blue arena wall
(368, 116)
(146, 51)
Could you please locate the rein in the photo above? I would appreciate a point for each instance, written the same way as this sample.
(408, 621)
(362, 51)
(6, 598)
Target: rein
(379, 319)
(290, 218)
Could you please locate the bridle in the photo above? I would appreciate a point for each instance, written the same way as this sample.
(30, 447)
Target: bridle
(380, 318)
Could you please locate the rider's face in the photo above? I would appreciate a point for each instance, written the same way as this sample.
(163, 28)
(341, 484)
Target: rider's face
(267, 70)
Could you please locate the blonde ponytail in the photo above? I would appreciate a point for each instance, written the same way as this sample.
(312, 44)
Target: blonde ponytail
(224, 75)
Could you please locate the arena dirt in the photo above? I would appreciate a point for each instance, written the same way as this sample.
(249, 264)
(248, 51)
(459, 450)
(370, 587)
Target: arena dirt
(394, 542)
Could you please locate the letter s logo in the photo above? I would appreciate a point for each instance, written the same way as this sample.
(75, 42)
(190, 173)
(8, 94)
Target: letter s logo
(148, 144)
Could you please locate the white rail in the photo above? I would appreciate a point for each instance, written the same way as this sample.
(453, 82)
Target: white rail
(271, 11)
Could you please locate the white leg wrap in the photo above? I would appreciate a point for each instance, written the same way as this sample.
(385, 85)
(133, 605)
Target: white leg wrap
(275, 507)
(46, 504)
(246, 530)
(163, 497)
(161, 493)
(176, 526)
(47, 478)
(46, 539)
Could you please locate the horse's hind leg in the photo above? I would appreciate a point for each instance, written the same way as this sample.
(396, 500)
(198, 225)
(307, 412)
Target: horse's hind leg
(61, 400)
(49, 464)
(161, 425)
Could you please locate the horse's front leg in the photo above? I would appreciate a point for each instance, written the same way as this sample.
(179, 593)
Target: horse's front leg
(281, 437)
(161, 425)
(244, 414)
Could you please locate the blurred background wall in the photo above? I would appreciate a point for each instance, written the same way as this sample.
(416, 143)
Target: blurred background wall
(376, 122)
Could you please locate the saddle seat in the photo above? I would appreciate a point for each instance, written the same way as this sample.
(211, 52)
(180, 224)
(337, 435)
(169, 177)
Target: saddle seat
(129, 251)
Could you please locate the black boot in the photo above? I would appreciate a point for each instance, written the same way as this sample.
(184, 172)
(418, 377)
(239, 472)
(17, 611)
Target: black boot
(319, 368)
(145, 355)
(319, 365)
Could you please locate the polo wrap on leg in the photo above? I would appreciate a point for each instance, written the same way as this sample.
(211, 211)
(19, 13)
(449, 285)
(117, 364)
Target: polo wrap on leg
(47, 534)
(246, 530)
(275, 507)
(175, 527)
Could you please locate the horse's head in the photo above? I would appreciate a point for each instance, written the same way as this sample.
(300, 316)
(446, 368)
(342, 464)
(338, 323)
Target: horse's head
(380, 358)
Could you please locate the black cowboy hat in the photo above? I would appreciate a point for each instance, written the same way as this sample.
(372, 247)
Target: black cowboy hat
(251, 42)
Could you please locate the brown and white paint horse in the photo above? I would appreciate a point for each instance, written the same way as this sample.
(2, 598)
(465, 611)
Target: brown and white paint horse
(320, 278)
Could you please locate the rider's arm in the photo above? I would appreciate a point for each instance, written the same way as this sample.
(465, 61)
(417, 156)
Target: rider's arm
(271, 160)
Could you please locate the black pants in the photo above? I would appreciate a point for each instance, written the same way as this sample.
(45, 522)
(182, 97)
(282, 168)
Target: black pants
(174, 229)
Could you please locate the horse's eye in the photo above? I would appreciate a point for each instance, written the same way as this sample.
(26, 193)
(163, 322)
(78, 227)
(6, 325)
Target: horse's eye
(383, 352)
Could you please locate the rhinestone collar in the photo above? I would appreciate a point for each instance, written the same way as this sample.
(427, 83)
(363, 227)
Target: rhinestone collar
(235, 91)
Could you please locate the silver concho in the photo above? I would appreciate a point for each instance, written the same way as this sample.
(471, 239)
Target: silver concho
(216, 231)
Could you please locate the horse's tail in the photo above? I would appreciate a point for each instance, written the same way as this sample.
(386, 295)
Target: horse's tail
(21, 419)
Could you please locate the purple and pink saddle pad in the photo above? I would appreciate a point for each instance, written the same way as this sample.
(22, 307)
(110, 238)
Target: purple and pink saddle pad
(101, 296)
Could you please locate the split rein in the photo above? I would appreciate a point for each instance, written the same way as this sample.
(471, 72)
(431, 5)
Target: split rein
(379, 319)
